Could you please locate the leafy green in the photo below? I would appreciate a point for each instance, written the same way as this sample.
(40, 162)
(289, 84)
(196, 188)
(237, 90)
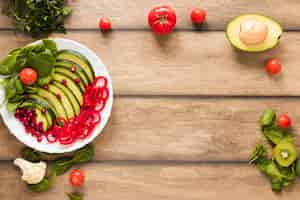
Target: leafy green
(42, 62)
(37, 17)
(31, 154)
(267, 118)
(62, 165)
(279, 176)
(42, 186)
(75, 196)
(275, 135)
(7, 65)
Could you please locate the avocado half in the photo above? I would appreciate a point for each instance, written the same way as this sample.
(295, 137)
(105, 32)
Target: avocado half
(274, 34)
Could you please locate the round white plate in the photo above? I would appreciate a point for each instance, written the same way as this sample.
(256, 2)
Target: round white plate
(18, 130)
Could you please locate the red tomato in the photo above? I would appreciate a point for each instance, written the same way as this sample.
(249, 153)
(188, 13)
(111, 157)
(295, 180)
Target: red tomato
(28, 76)
(76, 177)
(162, 19)
(198, 15)
(104, 24)
(284, 121)
(273, 66)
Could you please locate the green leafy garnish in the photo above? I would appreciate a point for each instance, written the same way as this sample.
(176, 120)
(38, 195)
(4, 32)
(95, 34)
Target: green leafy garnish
(42, 186)
(279, 174)
(75, 196)
(62, 165)
(31, 154)
(37, 17)
(267, 118)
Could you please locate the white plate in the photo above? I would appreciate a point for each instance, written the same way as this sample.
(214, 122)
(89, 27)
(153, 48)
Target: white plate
(18, 130)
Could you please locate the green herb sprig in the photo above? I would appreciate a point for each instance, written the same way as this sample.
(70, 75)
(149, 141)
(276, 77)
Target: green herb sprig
(37, 17)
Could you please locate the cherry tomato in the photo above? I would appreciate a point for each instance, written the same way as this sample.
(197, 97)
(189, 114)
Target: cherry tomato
(28, 76)
(284, 121)
(162, 19)
(198, 15)
(105, 24)
(273, 66)
(76, 177)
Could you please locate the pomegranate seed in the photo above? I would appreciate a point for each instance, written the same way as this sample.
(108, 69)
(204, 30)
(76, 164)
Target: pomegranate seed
(64, 82)
(58, 96)
(77, 81)
(46, 87)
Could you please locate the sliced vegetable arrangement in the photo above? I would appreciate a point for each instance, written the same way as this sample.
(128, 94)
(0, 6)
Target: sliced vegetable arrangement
(37, 17)
(284, 164)
(55, 94)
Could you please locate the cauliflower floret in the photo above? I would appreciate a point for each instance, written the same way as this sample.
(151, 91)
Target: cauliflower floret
(33, 173)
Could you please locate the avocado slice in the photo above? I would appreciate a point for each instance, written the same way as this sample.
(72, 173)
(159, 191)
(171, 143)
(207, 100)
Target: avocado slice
(54, 101)
(69, 65)
(41, 118)
(36, 99)
(71, 75)
(273, 35)
(71, 85)
(63, 99)
(70, 95)
(79, 59)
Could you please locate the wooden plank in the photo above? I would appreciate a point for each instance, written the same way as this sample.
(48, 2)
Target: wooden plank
(179, 129)
(133, 14)
(136, 181)
(187, 63)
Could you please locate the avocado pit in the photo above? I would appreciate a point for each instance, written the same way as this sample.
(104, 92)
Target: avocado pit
(253, 32)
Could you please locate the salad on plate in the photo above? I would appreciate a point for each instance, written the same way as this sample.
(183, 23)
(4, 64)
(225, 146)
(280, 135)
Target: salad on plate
(54, 93)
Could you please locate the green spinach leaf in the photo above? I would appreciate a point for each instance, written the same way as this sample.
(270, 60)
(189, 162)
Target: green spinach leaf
(42, 186)
(75, 196)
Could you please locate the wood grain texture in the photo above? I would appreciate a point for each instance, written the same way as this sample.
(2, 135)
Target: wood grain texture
(133, 14)
(138, 181)
(179, 129)
(187, 63)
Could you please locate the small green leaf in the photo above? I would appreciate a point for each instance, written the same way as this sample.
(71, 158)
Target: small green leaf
(84, 154)
(42, 62)
(297, 168)
(267, 118)
(8, 64)
(42, 186)
(31, 154)
(275, 135)
(61, 166)
(51, 45)
(75, 196)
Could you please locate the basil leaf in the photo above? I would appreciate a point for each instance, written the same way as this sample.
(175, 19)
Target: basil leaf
(31, 154)
(42, 62)
(51, 45)
(267, 118)
(61, 166)
(8, 64)
(42, 186)
(75, 196)
(276, 135)
(84, 155)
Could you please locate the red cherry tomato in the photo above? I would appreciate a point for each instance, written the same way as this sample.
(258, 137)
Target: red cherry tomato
(76, 177)
(198, 15)
(284, 121)
(104, 24)
(28, 76)
(273, 66)
(162, 19)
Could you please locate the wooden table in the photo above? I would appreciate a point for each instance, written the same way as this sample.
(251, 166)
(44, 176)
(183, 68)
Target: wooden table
(186, 107)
